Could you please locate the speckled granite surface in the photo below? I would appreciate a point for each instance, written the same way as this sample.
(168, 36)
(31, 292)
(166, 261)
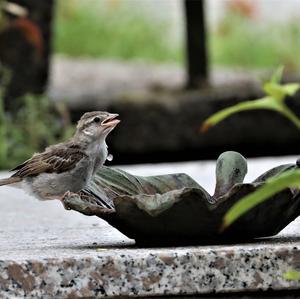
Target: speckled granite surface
(112, 272)
(47, 252)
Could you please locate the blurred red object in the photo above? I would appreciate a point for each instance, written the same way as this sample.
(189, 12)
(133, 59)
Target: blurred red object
(20, 35)
(30, 31)
(246, 8)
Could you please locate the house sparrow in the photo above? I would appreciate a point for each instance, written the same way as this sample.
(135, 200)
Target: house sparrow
(69, 166)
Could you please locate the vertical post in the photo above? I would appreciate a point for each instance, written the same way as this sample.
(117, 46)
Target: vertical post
(196, 52)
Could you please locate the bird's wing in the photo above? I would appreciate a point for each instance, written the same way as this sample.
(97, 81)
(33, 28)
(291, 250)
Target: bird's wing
(55, 159)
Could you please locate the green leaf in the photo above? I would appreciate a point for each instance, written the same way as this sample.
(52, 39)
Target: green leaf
(289, 179)
(268, 103)
(277, 75)
(274, 100)
(222, 114)
(274, 90)
(279, 92)
(291, 88)
(264, 103)
(291, 275)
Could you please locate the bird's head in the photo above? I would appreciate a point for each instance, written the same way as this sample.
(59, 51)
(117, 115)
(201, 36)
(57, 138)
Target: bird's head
(96, 125)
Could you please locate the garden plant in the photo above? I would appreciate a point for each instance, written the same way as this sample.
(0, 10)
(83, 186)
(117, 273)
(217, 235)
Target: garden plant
(276, 94)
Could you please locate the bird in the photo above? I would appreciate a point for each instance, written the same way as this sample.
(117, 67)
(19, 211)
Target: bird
(66, 167)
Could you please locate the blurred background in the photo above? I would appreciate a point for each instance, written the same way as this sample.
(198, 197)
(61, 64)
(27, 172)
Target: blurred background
(163, 65)
(241, 33)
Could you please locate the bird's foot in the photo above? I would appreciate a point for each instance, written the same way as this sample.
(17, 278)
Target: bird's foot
(69, 197)
(82, 203)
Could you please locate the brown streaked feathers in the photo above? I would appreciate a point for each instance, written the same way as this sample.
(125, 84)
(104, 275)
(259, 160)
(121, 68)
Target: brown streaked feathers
(55, 159)
(11, 180)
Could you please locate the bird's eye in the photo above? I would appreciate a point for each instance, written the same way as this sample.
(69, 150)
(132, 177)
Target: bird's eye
(97, 119)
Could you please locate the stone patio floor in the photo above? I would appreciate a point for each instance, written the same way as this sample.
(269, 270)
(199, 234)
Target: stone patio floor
(48, 252)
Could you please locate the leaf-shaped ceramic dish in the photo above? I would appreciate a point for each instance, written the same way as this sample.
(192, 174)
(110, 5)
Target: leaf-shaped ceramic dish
(175, 210)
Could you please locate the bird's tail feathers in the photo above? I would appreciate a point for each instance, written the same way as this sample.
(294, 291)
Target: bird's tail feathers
(9, 181)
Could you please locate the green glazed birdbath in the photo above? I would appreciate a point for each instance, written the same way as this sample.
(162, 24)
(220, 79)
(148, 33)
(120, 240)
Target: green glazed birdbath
(174, 209)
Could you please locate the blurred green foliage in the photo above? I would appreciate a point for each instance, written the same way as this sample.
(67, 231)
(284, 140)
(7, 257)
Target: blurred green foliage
(34, 126)
(121, 29)
(241, 41)
(111, 29)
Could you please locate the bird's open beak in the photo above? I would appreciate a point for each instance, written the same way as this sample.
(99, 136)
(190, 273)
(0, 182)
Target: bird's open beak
(110, 121)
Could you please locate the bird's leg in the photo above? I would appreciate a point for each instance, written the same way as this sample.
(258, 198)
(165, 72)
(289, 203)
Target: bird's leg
(48, 196)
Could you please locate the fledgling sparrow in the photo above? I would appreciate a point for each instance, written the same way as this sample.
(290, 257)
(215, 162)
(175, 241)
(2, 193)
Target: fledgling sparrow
(68, 166)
